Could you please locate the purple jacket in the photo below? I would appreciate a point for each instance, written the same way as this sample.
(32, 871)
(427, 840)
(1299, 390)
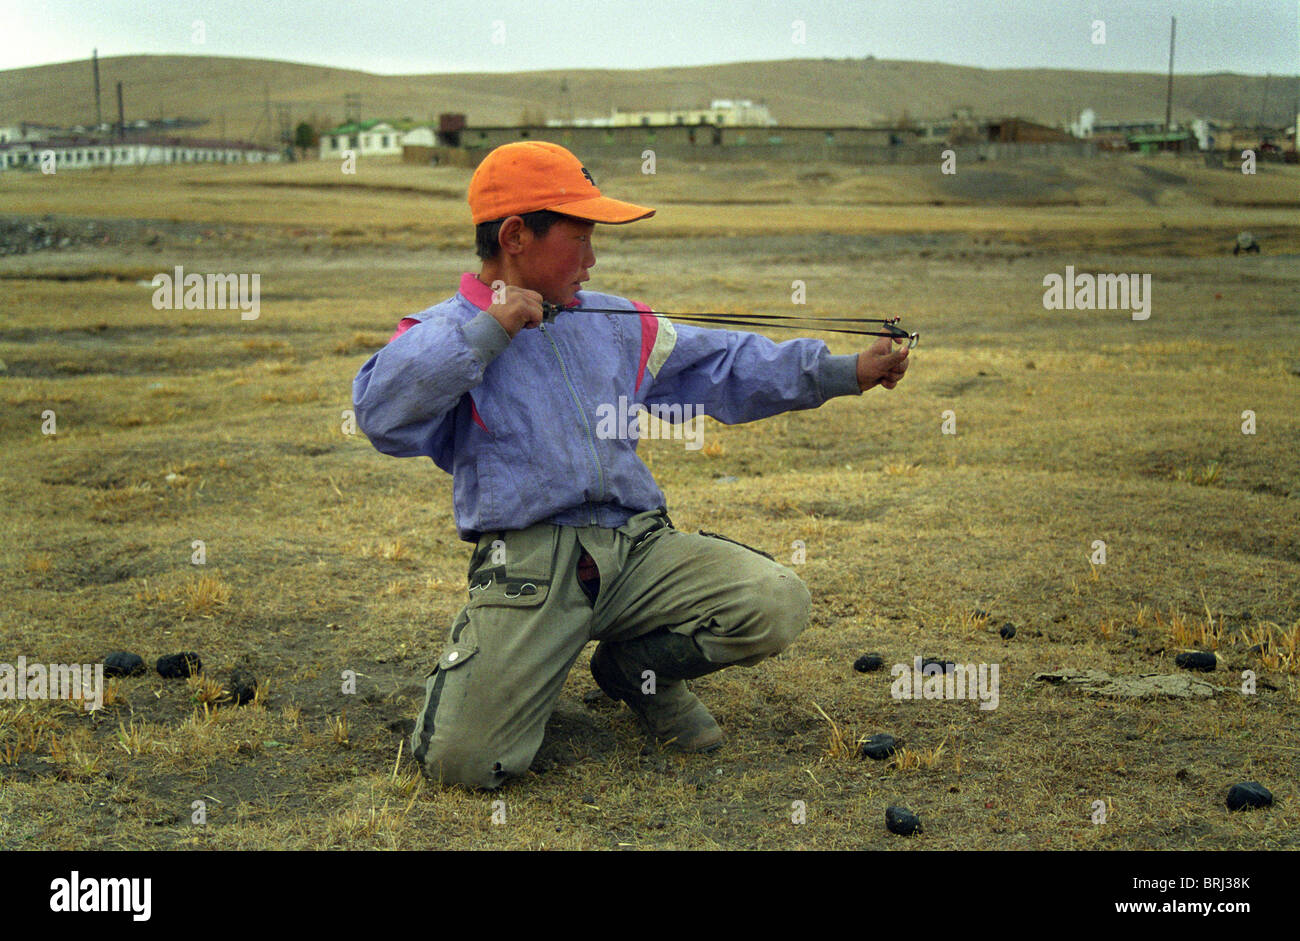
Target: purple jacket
(524, 426)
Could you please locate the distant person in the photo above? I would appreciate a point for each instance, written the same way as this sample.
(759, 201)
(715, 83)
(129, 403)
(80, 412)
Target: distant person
(572, 540)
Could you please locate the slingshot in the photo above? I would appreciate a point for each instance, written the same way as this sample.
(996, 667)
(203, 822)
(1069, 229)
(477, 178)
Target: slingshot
(891, 329)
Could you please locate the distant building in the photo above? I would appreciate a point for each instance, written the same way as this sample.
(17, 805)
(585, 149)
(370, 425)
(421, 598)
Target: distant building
(1020, 131)
(1005, 138)
(1177, 142)
(425, 146)
(26, 130)
(721, 112)
(419, 137)
(367, 139)
(1145, 126)
(1082, 128)
(85, 153)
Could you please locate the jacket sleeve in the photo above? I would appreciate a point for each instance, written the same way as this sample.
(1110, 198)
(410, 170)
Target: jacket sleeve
(405, 396)
(739, 377)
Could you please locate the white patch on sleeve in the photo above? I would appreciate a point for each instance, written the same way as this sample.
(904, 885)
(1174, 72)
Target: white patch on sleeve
(665, 340)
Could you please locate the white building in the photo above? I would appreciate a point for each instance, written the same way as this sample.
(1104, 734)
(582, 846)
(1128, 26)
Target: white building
(367, 139)
(85, 153)
(26, 130)
(420, 137)
(721, 112)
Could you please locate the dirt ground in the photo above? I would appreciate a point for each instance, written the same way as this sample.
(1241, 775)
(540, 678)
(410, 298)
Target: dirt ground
(324, 556)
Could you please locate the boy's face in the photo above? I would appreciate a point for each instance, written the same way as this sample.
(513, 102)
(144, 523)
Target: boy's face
(556, 264)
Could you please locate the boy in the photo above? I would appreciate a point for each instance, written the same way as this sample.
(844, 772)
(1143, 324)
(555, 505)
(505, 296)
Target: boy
(572, 538)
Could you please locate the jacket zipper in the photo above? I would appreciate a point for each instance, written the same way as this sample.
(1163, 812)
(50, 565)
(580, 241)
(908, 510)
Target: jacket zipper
(591, 444)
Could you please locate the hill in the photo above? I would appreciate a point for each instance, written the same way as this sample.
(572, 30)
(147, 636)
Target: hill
(236, 95)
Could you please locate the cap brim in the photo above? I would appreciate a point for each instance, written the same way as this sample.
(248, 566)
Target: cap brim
(603, 209)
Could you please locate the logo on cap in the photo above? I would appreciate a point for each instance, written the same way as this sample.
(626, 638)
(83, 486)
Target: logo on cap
(588, 176)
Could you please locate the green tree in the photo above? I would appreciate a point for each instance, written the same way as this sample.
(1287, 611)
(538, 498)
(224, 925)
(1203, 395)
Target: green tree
(305, 137)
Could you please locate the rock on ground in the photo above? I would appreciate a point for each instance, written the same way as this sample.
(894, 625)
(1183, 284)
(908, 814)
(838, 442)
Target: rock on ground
(1130, 686)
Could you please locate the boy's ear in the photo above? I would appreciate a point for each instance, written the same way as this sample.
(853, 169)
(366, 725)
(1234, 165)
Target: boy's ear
(514, 236)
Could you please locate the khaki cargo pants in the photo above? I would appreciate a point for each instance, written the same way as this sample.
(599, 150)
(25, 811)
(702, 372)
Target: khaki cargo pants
(489, 696)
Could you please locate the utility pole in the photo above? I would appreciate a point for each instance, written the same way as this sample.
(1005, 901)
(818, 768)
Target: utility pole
(99, 114)
(266, 96)
(1169, 91)
(121, 114)
(285, 119)
(352, 108)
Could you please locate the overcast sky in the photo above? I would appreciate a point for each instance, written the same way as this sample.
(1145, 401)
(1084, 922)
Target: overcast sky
(398, 36)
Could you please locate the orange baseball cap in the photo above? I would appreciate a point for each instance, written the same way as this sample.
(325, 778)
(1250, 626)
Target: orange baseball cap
(528, 176)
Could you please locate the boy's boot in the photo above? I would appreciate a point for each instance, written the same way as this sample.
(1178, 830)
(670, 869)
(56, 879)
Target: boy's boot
(671, 714)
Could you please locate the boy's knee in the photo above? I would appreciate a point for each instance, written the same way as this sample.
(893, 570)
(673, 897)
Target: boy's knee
(448, 761)
(784, 607)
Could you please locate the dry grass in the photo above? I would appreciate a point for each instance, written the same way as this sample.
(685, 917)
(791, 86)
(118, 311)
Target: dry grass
(971, 621)
(1280, 646)
(38, 563)
(900, 469)
(1190, 630)
(1206, 476)
(338, 728)
(839, 746)
(206, 691)
(921, 759)
(324, 556)
(205, 594)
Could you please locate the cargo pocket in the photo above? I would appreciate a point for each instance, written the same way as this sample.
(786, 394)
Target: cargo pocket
(454, 656)
(509, 593)
(520, 575)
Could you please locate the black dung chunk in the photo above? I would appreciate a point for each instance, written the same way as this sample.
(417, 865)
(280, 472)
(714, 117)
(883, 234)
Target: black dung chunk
(868, 662)
(242, 685)
(1008, 631)
(902, 821)
(178, 666)
(1197, 660)
(943, 665)
(1248, 795)
(879, 747)
(123, 663)
(982, 614)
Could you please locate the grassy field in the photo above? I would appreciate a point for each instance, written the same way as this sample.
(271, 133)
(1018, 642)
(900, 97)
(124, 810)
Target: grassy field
(323, 555)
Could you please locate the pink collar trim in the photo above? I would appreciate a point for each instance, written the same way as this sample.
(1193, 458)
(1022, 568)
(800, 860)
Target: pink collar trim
(480, 295)
(475, 291)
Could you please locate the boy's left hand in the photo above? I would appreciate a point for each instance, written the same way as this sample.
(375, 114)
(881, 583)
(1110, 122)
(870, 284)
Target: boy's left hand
(881, 364)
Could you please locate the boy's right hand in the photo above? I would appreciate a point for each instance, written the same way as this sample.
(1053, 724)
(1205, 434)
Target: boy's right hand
(521, 308)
